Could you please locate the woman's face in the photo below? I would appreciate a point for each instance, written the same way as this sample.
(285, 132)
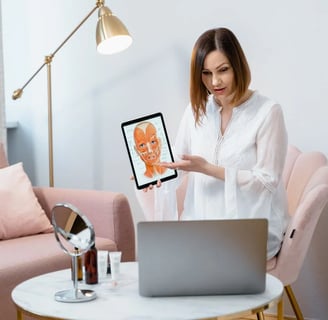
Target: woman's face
(218, 76)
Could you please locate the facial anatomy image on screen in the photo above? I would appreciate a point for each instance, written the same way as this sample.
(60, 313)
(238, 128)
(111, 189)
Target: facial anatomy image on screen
(148, 147)
(147, 144)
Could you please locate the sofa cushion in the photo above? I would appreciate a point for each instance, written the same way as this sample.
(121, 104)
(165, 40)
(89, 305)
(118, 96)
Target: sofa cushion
(20, 211)
(38, 254)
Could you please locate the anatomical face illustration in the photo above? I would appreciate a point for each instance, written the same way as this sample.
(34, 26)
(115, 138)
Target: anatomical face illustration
(148, 147)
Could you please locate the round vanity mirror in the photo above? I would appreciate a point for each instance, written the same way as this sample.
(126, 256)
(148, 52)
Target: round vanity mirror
(75, 235)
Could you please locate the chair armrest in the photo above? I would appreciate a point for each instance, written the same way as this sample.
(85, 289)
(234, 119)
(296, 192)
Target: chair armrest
(109, 212)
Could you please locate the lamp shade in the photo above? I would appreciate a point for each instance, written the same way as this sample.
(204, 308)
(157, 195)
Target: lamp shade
(111, 35)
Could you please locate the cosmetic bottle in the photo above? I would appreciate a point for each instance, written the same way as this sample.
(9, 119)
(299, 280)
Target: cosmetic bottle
(90, 266)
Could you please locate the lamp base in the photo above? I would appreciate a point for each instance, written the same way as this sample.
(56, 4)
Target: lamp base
(72, 295)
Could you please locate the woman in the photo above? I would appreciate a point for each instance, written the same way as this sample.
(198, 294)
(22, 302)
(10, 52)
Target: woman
(232, 142)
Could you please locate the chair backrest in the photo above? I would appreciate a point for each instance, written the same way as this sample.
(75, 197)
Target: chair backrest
(306, 181)
(298, 171)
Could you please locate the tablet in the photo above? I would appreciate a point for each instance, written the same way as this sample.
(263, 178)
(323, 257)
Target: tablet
(147, 144)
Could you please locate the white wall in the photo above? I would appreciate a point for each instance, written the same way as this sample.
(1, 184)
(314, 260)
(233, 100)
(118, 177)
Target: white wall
(285, 41)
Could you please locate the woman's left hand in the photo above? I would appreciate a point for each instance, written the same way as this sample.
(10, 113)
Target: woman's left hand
(187, 163)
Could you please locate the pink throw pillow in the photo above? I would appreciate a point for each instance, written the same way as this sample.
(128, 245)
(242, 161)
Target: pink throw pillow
(20, 211)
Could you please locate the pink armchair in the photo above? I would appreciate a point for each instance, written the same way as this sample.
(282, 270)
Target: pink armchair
(306, 180)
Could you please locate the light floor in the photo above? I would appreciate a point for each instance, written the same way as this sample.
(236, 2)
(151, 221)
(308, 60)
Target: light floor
(267, 317)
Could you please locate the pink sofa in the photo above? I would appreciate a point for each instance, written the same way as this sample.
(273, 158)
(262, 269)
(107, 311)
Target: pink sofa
(29, 256)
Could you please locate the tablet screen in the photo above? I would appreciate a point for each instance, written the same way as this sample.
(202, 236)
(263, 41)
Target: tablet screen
(147, 144)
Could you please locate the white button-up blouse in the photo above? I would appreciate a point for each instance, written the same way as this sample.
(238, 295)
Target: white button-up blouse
(252, 151)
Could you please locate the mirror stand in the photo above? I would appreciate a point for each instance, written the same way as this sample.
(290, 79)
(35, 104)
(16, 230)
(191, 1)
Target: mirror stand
(75, 294)
(73, 231)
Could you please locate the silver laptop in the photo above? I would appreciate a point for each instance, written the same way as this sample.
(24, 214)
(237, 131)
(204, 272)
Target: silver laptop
(208, 257)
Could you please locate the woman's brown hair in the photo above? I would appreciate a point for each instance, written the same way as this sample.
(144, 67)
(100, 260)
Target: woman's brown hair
(216, 39)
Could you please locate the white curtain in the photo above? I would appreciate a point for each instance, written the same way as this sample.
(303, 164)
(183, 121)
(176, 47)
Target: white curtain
(3, 131)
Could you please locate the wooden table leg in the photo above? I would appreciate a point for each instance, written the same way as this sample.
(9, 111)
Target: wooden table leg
(260, 315)
(280, 310)
(19, 314)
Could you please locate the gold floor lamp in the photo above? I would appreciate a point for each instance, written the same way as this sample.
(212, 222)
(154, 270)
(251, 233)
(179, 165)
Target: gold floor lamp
(111, 37)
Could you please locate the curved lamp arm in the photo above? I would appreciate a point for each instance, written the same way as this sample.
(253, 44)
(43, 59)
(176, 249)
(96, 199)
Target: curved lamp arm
(48, 59)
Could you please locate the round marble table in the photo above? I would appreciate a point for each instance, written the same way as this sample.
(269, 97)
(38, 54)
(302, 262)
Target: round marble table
(36, 297)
